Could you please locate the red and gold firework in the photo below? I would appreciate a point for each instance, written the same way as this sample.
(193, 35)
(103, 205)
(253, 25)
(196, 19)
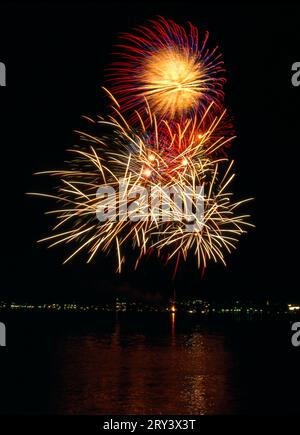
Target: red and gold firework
(171, 67)
(161, 156)
(167, 129)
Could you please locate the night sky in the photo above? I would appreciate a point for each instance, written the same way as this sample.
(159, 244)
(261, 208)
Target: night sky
(55, 58)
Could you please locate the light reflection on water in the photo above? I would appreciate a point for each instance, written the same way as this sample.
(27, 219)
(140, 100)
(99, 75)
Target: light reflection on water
(147, 363)
(126, 373)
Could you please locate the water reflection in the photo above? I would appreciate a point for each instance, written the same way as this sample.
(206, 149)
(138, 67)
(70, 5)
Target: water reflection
(144, 372)
(173, 326)
(148, 363)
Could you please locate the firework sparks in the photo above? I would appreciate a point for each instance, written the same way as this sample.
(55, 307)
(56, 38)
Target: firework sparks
(220, 227)
(165, 135)
(170, 67)
(172, 155)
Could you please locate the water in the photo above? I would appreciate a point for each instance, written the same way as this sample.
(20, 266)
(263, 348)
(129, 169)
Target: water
(147, 364)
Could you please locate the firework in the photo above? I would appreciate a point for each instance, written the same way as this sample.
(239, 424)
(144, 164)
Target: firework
(219, 229)
(178, 155)
(155, 179)
(169, 66)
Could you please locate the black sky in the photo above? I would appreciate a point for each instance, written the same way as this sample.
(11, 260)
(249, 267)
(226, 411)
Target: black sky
(55, 57)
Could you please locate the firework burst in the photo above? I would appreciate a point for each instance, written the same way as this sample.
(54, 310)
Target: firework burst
(178, 155)
(169, 66)
(157, 160)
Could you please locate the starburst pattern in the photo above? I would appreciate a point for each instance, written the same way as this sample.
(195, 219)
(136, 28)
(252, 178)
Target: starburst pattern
(169, 66)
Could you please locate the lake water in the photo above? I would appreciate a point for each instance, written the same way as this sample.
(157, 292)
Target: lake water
(147, 364)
